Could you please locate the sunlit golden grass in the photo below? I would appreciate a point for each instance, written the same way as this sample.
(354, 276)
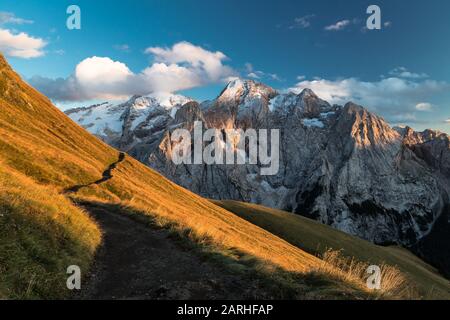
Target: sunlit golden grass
(38, 140)
(41, 234)
(393, 284)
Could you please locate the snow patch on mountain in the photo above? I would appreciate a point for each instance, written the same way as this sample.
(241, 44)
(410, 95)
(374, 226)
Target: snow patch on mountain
(314, 122)
(108, 120)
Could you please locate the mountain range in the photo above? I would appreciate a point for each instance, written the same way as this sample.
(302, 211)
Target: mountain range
(341, 165)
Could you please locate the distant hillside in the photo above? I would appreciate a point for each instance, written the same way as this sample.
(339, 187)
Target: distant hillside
(316, 238)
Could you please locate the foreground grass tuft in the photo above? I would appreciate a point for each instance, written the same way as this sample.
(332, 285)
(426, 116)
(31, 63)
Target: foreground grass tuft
(393, 284)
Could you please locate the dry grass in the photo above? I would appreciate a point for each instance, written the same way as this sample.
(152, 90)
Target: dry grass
(41, 234)
(394, 284)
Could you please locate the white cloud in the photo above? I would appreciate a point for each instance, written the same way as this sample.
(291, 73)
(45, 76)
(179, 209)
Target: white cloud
(340, 25)
(447, 121)
(95, 70)
(181, 67)
(170, 78)
(302, 22)
(10, 18)
(122, 47)
(424, 106)
(253, 75)
(393, 98)
(199, 60)
(258, 74)
(21, 45)
(403, 72)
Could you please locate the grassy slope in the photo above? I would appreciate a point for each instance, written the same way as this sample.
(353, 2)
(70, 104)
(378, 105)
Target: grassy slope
(315, 238)
(46, 153)
(41, 234)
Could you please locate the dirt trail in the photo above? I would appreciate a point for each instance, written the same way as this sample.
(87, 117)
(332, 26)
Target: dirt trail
(138, 262)
(107, 175)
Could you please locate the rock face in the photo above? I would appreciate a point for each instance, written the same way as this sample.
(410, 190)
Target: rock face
(341, 165)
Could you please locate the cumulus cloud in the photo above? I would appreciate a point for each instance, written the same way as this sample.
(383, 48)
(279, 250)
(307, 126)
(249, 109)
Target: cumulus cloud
(394, 98)
(21, 45)
(198, 59)
(95, 70)
(340, 25)
(447, 121)
(180, 67)
(424, 106)
(403, 72)
(10, 18)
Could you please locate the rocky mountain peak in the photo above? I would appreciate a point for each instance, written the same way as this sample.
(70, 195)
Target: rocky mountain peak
(367, 128)
(240, 89)
(189, 113)
(308, 93)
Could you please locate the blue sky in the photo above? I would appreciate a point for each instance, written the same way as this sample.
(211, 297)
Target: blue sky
(193, 47)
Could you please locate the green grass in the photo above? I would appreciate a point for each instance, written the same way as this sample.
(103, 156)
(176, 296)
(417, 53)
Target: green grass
(41, 234)
(316, 238)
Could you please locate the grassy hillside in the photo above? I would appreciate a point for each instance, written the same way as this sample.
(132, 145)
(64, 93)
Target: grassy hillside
(43, 153)
(41, 234)
(316, 238)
